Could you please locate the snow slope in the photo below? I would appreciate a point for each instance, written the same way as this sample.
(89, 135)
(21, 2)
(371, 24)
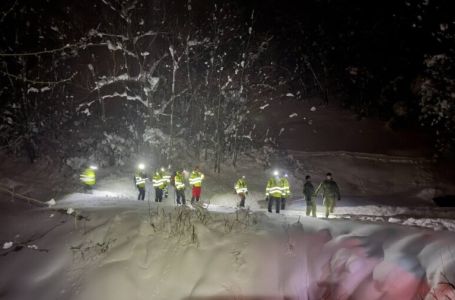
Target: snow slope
(112, 246)
(128, 251)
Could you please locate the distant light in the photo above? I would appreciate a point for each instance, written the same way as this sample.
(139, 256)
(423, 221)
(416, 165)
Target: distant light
(243, 177)
(286, 175)
(162, 169)
(141, 166)
(276, 173)
(94, 167)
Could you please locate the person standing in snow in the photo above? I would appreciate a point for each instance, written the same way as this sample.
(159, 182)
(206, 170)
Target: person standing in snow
(179, 187)
(139, 181)
(196, 178)
(166, 175)
(330, 193)
(308, 193)
(286, 192)
(274, 192)
(242, 190)
(88, 179)
(158, 185)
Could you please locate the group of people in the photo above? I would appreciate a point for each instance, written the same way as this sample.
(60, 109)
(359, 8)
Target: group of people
(277, 189)
(162, 179)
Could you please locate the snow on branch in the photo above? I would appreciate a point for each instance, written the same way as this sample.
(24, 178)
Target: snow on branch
(104, 81)
(127, 96)
(20, 78)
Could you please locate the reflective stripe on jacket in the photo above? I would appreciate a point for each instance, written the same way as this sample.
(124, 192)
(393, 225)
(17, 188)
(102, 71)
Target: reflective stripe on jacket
(158, 181)
(179, 181)
(240, 186)
(88, 177)
(286, 190)
(139, 179)
(166, 178)
(274, 188)
(196, 179)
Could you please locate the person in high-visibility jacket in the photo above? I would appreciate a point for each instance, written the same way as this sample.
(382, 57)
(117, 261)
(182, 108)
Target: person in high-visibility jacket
(274, 192)
(139, 181)
(286, 190)
(159, 185)
(179, 182)
(88, 178)
(167, 181)
(196, 178)
(242, 190)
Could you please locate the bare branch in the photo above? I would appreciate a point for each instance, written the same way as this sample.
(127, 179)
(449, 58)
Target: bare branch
(37, 81)
(67, 46)
(5, 14)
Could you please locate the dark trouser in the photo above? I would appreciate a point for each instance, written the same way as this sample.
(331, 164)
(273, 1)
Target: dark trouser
(88, 189)
(277, 204)
(329, 203)
(141, 195)
(158, 195)
(180, 195)
(310, 207)
(283, 203)
(242, 199)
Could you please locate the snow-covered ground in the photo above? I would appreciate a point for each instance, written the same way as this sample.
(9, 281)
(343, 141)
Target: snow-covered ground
(107, 245)
(120, 248)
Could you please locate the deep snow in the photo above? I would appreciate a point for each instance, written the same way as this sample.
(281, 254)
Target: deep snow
(112, 246)
(126, 251)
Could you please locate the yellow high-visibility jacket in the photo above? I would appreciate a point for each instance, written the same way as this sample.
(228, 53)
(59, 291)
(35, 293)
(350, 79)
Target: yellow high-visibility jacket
(158, 181)
(286, 189)
(240, 186)
(139, 179)
(179, 181)
(88, 177)
(196, 178)
(274, 188)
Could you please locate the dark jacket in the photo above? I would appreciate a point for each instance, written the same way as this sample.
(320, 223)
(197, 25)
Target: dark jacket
(329, 189)
(308, 190)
